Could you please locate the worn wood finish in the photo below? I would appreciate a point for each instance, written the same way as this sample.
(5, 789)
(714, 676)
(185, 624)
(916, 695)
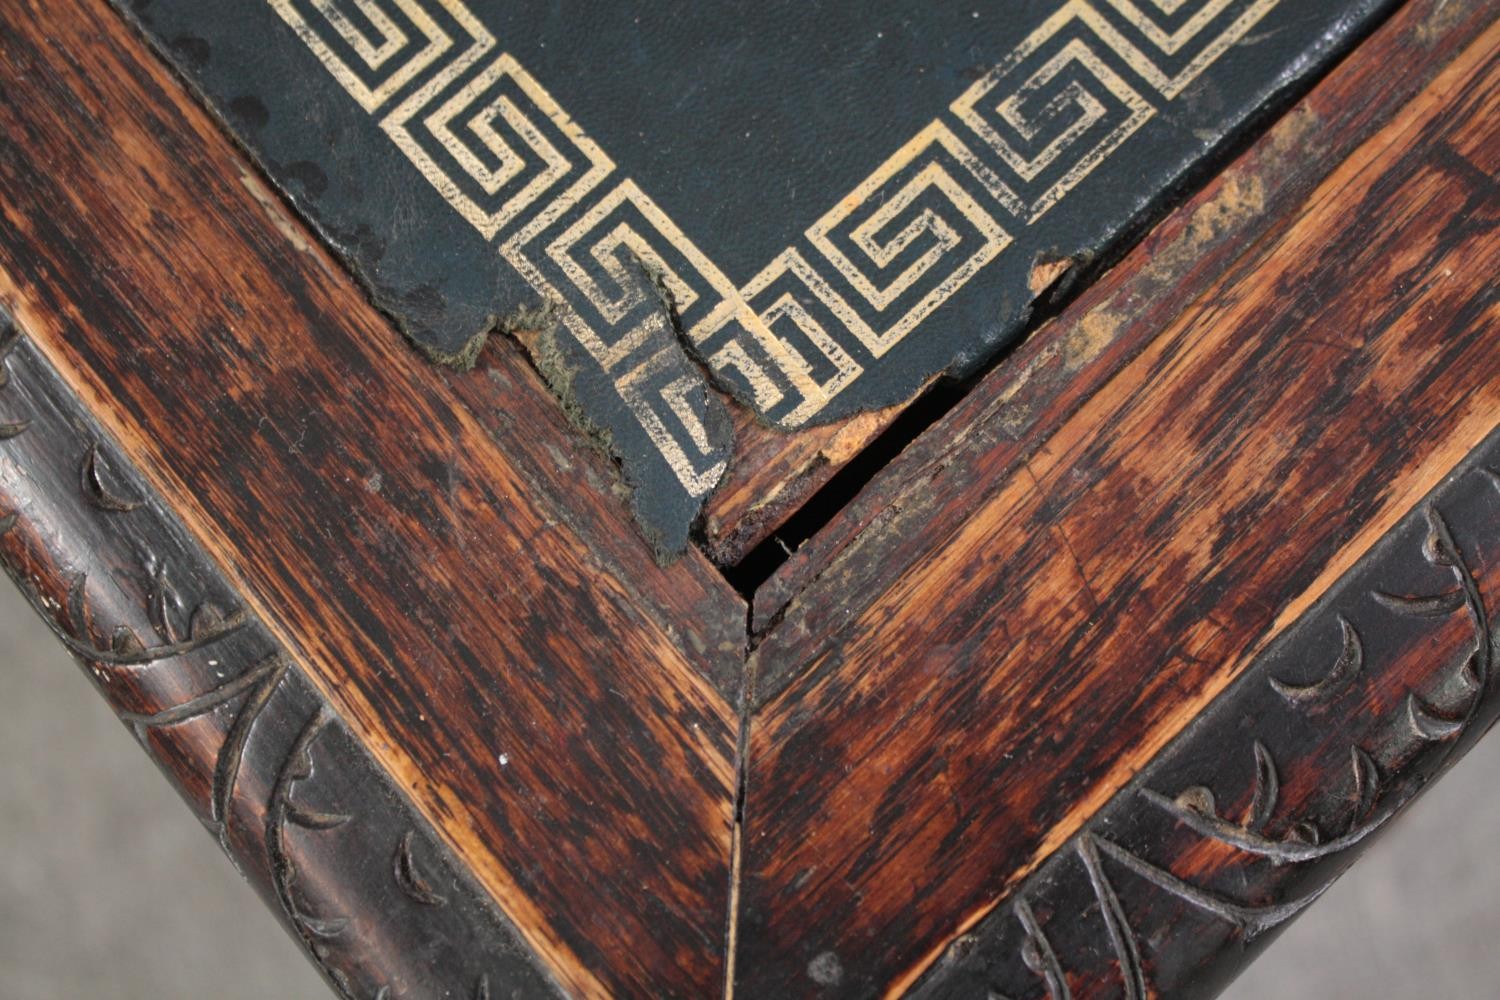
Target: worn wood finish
(700, 610)
(1278, 786)
(567, 743)
(1044, 381)
(361, 880)
(978, 673)
(390, 633)
(773, 473)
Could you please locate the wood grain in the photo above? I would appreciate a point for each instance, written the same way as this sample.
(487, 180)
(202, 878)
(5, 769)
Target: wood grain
(992, 662)
(705, 615)
(773, 473)
(360, 880)
(504, 668)
(1273, 791)
(1043, 382)
(479, 688)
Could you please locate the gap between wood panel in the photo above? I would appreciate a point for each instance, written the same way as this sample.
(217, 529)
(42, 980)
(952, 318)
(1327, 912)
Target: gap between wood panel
(870, 652)
(1057, 285)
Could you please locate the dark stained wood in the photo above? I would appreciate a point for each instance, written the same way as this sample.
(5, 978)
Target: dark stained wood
(502, 667)
(358, 877)
(1222, 526)
(977, 673)
(703, 612)
(1244, 821)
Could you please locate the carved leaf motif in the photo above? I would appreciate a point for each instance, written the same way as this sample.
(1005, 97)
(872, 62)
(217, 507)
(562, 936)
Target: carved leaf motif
(1267, 789)
(207, 619)
(1306, 833)
(311, 819)
(1038, 955)
(227, 767)
(240, 700)
(261, 681)
(95, 490)
(331, 927)
(1344, 670)
(126, 648)
(1253, 920)
(297, 767)
(1198, 799)
(1471, 674)
(1428, 723)
(1437, 547)
(125, 643)
(204, 703)
(1304, 840)
(1435, 606)
(407, 877)
(1301, 844)
(1366, 782)
(164, 608)
(1127, 952)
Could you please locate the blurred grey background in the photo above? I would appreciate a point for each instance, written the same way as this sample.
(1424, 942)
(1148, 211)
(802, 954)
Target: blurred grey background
(110, 890)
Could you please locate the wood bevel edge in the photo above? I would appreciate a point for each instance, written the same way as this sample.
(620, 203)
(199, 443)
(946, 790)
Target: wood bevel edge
(230, 717)
(1365, 641)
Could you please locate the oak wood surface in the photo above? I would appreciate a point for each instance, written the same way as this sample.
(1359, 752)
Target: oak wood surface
(1042, 382)
(357, 877)
(1156, 505)
(1277, 787)
(772, 474)
(566, 741)
(974, 677)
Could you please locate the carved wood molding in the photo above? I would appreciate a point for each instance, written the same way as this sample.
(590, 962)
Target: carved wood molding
(1334, 730)
(471, 695)
(295, 801)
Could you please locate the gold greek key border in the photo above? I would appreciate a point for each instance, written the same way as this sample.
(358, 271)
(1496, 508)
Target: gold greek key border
(862, 278)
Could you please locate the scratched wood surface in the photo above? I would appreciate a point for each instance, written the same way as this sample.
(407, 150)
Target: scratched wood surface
(400, 647)
(772, 476)
(973, 677)
(503, 667)
(1042, 382)
(1244, 821)
(310, 819)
